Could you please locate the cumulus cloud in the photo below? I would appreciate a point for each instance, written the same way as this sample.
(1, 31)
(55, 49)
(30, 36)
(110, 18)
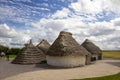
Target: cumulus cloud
(101, 33)
(104, 34)
(10, 36)
(61, 13)
(19, 12)
(116, 22)
(80, 18)
(95, 6)
(87, 6)
(48, 28)
(6, 31)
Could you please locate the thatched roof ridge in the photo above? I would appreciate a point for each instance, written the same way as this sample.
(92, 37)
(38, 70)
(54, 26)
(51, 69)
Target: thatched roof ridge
(43, 45)
(66, 45)
(91, 47)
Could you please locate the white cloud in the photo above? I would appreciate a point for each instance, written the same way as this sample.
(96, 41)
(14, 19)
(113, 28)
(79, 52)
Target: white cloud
(116, 22)
(20, 12)
(115, 4)
(6, 31)
(82, 23)
(49, 28)
(9, 36)
(104, 34)
(95, 6)
(101, 33)
(61, 13)
(87, 6)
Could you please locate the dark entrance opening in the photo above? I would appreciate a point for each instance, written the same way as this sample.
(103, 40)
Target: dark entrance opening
(93, 58)
(42, 62)
(99, 57)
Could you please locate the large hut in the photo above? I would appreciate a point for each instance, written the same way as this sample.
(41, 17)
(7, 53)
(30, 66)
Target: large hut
(43, 45)
(66, 52)
(96, 52)
(30, 55)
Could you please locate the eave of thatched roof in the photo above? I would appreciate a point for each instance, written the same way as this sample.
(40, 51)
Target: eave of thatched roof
(66, 45)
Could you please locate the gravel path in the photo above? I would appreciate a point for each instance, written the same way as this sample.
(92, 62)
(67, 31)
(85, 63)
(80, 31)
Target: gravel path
(8, 69)
(45, 72)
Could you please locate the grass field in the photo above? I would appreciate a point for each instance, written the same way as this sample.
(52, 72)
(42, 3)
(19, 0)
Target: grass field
(111, 54)
(115, 54)
(10, 56)
(111, 77)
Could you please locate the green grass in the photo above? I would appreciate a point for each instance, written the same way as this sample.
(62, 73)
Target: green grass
(111, 54)
(111, 77)
(10, 56)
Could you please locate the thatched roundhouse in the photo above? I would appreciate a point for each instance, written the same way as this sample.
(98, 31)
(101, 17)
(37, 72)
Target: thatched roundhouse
(44, 46)
(66, 52)
(96, 52)
(30, 55)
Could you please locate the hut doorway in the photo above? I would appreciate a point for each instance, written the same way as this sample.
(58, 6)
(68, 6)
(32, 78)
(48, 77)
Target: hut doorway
(99, 57)
(93, 59)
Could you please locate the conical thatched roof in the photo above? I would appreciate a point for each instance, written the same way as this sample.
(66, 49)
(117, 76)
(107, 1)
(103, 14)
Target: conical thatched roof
(91, 47)
(66, 45)
(30, 55)
(43, 45)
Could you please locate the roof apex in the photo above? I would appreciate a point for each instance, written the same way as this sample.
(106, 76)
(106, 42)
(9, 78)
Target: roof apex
(87, 40)
(65, 33)
(66, 45)
(30, 43)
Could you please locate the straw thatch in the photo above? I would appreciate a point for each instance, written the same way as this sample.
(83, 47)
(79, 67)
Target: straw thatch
(92, 48)
(30, 55)
(44, 45)
(66, 52)
(66, 45)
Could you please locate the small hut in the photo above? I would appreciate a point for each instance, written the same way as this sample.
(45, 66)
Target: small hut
(44, 46)
(96, 52)
(66, 52)
(30, 55)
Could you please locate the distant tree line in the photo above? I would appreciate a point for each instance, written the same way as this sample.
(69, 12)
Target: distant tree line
(11, 51)
(3, 48)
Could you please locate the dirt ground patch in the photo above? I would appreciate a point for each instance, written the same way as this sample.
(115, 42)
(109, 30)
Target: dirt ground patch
(44, 72)
(8, 69)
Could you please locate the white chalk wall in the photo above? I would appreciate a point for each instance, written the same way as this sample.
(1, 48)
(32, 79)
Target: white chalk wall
(66, 61)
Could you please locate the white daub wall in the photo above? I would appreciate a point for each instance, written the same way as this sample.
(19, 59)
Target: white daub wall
(66, 61)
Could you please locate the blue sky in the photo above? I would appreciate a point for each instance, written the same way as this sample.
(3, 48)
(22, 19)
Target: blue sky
(97, 20)
(24, 11)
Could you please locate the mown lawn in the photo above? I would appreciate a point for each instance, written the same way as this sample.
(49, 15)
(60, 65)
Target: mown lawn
(106, 54)
(111, 54)
(111, 77)
(10, 56)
